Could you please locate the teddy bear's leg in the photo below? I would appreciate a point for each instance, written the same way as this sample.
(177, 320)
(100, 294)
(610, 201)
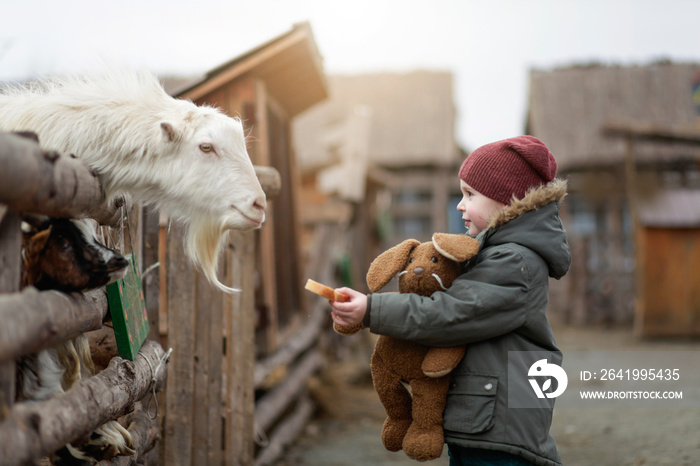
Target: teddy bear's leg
(424, 439)
(397, 404)
(441, 361)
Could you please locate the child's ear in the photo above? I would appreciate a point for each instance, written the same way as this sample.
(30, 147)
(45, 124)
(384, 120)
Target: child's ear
(455, 247)
(389, 263)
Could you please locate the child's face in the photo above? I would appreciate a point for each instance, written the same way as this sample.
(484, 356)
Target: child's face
(477, 209)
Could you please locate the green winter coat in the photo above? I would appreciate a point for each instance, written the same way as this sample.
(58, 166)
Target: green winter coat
(497, 305)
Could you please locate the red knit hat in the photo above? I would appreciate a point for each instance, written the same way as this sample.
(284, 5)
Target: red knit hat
(502, 169)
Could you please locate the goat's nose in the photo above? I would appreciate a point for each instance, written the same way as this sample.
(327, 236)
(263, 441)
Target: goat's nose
(260, 203)
(418, 270)
(117, 263)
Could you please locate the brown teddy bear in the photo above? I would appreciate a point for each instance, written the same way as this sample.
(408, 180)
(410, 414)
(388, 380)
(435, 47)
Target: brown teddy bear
(414, 420)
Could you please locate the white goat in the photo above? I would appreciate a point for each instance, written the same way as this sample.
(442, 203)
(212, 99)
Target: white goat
(190, 161)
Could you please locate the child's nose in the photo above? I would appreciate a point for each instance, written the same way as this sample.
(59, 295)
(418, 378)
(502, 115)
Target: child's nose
(418, 270)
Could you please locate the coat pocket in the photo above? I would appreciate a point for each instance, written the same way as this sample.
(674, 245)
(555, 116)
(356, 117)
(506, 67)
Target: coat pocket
(471, 405)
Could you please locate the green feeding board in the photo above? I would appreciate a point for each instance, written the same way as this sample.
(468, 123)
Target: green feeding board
(128, 309)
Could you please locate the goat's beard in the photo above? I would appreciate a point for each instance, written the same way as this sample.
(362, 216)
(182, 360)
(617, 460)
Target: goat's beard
(205, 238)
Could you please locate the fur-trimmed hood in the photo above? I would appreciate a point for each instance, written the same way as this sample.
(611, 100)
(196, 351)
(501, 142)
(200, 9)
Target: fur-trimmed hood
(534, 222)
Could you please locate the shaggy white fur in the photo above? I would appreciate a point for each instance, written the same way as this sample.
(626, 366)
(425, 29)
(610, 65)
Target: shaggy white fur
(190, 161)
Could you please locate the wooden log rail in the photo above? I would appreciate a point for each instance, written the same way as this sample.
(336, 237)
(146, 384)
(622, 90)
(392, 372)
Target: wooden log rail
(46, 182)
(33, 430)
(290, 351)
(272, 405)
(304, 359)
(34, 320)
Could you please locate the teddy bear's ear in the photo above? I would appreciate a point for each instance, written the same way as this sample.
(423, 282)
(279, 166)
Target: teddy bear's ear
(455, 247)
(389, 263)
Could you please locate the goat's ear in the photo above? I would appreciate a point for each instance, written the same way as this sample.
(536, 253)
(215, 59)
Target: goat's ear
(455, 247)
(171, 133)
(39, 240)
(389, 263)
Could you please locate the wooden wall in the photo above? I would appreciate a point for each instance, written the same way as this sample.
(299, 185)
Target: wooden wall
(209, 399)
(668, 274)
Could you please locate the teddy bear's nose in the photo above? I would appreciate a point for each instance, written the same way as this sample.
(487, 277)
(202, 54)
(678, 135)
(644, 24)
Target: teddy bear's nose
(418, 270)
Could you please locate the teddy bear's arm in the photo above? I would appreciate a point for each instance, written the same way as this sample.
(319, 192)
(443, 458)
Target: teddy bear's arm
(351, 330)
(441, 361)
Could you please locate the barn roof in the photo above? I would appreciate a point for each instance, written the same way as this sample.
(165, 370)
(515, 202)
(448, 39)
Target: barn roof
(408, 120)
(290, 65)
(568, 107)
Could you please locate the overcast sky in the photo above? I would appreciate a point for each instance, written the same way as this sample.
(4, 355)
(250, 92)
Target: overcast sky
(490, 46)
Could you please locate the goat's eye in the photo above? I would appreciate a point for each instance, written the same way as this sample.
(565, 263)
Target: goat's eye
(206, 147)
(434, 259)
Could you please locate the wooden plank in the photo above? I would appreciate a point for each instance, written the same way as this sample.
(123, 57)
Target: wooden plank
(240, 353)
(10, 247)
(10, 262)
(179, 394)
(216, 357)
(206, 431)
(266, 248)
(163, 279)
(151, 267)
(670, 285)
(200, 416)
(287, 231)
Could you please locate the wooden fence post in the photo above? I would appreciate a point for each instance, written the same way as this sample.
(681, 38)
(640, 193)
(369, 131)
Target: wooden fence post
(10, 244)
(179, 392)
(240, 353)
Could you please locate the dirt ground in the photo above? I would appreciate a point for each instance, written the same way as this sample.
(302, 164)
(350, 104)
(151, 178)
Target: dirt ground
(347, 432)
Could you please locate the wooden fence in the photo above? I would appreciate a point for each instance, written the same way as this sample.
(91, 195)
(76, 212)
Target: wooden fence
(32, 180)
(219, 404)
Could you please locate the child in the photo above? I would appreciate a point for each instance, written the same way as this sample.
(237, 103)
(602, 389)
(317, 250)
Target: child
(511, 204)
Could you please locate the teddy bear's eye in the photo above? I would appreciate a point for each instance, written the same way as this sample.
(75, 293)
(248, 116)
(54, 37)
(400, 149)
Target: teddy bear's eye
(411, 260)
(434, 259)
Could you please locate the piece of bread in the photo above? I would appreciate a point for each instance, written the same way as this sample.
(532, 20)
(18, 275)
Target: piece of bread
(326, 291)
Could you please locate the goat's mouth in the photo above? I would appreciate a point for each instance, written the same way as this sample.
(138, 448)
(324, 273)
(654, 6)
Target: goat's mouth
(252, 222)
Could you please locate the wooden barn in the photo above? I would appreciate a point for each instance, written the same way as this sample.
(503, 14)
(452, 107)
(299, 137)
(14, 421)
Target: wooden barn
(626, 138)
(236, 389)
(380, 156)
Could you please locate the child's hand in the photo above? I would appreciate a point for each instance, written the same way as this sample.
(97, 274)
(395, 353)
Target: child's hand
(350, 312)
